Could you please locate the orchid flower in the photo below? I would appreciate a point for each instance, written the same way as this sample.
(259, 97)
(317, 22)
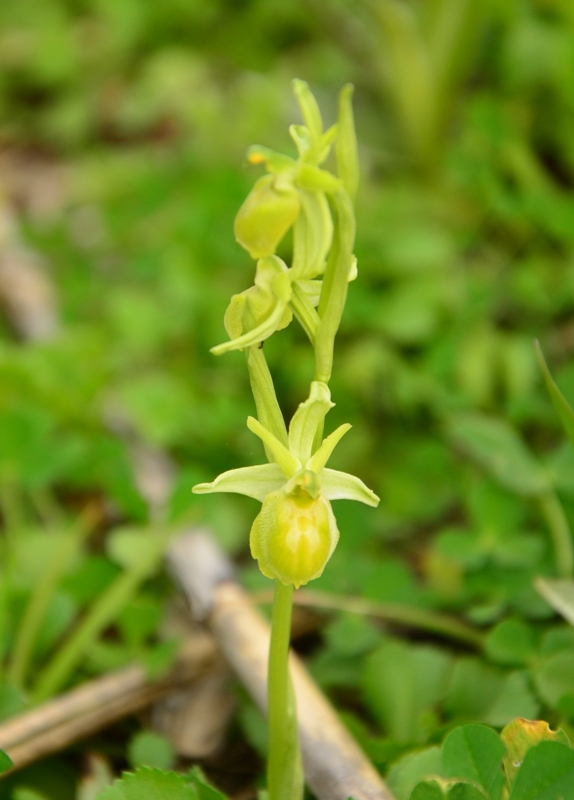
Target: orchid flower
(295, 532)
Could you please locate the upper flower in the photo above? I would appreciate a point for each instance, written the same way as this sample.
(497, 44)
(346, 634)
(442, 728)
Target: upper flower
(295, 532)
(295, 193)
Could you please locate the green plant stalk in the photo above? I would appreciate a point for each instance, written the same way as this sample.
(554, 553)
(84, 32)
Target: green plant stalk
(420, 618)
(559, 532)
(266, 403)
(284, 769)
(12, 513)
(285, 773)
(4, 583)
(61, 558)
(102, 613)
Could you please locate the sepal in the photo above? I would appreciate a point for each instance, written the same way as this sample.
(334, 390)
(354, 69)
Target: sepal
(343, 486)
(307, 419)
(256, 482)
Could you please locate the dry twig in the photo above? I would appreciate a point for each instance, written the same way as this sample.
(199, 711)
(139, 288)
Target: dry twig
(97, 704)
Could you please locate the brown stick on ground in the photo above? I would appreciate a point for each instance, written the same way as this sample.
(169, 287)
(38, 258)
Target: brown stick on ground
(335, 767)
(96, 704)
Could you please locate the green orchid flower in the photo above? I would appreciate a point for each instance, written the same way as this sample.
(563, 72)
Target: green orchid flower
(253, 315)
(295, 533)
(298, 194)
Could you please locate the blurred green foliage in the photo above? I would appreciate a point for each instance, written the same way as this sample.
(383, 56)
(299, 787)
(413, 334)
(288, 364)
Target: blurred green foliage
(465, 246)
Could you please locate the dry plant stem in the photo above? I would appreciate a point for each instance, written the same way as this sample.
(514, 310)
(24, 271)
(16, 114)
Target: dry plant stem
(96, 704)
(441, 624)
(335, 766)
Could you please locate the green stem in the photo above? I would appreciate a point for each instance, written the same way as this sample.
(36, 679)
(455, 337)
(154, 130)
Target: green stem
(421, 618)
(13, 518)
(268, 410)
(61, 557)
(560, 533)
(102, 613)
(284, 770)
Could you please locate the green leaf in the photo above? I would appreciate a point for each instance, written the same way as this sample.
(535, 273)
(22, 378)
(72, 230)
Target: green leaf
(429, 790)
(472, 688)
(149, 749)
(205, 791)
(499, 449)
(547, 773)
(555, 677)
(256, 482)
(561, 405)
(465, 791)
(11, 701)
(23, 793)
(515, 699)
(475, 753)
(127, 546)
(511, 642)
(402, 684)
(150, 784)
(409, 770)
(5, 762)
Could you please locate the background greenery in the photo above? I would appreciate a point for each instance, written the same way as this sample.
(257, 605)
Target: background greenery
(123, 127)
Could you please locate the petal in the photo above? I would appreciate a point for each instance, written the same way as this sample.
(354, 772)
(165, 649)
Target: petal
(342, 486)
(286, 460)
(256, 482)
(307, 419)
(323, 454)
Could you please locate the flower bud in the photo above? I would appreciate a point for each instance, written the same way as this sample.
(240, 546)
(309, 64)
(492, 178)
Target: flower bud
(269, 210)
(294, 536)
